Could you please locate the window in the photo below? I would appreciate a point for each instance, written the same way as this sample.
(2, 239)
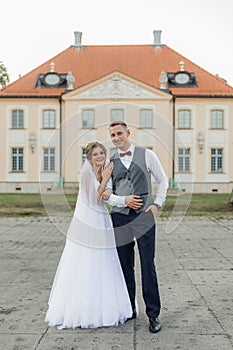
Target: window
(17, 159)
(217, 119)
(117, 114)
(146, 118)
(49, 119)
(88, 118)
(49, 159)
(184, 119)
(216, 160)
(17, 119)
(184, 159)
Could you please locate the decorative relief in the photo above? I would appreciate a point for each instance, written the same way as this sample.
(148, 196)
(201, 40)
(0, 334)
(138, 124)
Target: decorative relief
(117, 88)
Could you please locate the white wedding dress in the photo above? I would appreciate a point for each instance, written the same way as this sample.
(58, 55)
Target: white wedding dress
(89, 289)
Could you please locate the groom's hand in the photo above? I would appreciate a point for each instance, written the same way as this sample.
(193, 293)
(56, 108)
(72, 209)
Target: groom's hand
(133, 202)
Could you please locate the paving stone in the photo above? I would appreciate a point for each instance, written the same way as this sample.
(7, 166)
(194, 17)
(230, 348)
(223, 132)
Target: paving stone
(219, 299)
(209, 277)
(181, 341)
(91, 341)
(203, 263)
(19, 341)
(195, 272)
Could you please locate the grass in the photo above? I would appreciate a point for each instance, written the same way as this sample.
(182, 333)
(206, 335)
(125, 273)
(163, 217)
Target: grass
(19, 204)
(214, 205)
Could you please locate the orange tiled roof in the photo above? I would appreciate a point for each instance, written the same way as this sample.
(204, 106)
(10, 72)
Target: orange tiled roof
(141, 62)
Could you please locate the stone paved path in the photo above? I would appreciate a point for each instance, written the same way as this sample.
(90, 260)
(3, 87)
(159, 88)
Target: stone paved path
(195, 272)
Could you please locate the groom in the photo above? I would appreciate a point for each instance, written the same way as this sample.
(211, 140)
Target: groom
(133, 167)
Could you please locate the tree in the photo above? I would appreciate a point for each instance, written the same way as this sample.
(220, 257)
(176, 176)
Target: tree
(4, 77)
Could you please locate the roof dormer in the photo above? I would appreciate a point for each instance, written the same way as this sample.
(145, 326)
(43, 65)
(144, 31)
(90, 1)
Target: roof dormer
(181, 78)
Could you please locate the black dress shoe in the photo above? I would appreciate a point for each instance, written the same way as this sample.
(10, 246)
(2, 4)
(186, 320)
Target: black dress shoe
(155, 325)
(134, 315)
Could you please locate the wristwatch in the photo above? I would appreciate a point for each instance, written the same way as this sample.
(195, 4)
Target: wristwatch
(157, 206)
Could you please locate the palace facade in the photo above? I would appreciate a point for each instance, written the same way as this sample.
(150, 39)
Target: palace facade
(171, 105)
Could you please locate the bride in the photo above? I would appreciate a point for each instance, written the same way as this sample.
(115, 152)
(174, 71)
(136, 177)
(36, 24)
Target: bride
(89, 289)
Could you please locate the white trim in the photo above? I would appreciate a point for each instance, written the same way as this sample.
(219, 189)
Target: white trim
(192, 131)
(53, 137)
(218, 177)
(10, 176)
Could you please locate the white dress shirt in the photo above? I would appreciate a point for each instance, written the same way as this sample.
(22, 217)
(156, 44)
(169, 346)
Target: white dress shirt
(154, 167)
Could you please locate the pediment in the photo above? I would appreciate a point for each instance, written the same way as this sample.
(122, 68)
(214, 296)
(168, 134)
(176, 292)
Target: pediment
(116, 88)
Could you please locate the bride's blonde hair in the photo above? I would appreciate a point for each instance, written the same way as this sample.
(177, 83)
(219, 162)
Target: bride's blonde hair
(90, 147)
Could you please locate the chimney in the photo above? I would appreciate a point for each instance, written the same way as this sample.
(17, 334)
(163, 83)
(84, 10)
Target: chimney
(78, 40)
(182, 63)
(52, 65)
(157, 38)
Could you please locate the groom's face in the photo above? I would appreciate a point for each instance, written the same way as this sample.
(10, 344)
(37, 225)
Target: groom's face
(120, 137)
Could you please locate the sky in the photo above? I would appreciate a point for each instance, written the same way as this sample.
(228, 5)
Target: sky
(33, 32)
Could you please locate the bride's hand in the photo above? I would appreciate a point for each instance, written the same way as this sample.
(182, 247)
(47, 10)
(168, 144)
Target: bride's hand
(107, 171)
(106, 194)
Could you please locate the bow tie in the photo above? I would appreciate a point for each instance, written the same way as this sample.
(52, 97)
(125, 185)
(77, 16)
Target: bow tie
(125, 154)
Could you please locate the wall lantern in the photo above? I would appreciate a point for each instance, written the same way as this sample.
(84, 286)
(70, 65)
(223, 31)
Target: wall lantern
(32, 141)
(200, 140)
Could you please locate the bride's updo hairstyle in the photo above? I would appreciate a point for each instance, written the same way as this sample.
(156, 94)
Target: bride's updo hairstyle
(91, 146)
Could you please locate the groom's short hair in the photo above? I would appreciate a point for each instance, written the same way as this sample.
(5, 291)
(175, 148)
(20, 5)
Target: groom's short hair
(118, 122)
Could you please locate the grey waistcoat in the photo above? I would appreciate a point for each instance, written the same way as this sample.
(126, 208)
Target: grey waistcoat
(135, 180)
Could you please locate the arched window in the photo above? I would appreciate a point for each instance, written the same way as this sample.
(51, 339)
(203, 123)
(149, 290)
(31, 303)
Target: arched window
(49, 119)
(184, 119)
(217, 119)
(117, 114)
(146, 118)
(88, 118)
(17, 119)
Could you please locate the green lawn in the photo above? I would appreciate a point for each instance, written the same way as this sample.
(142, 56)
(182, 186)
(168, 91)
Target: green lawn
(214, 205)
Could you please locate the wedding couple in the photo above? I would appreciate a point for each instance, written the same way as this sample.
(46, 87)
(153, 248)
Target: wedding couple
(94, 285)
